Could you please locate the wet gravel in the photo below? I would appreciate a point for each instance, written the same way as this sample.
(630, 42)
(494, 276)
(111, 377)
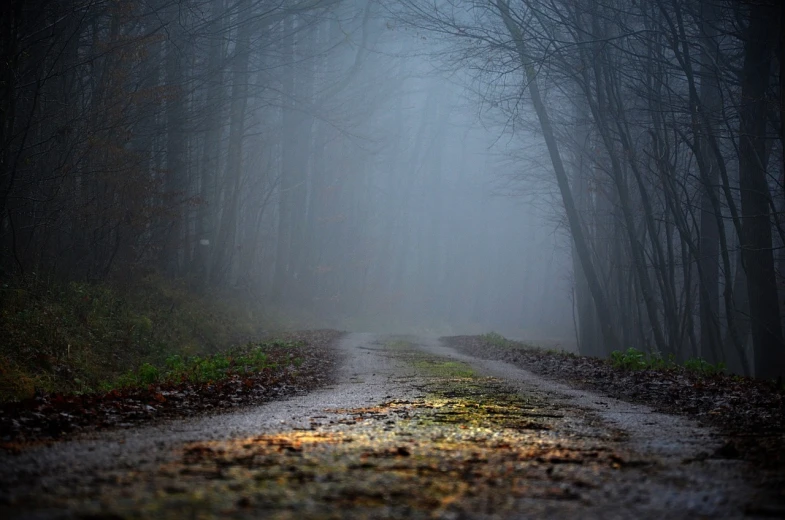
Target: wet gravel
(746, 415)
(410, 428)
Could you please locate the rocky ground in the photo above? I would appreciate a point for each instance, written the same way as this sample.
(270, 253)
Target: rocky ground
(409, 427)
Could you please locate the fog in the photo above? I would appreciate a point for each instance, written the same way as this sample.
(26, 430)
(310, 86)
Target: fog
(398, 197)
(418, 215)
(601, 174)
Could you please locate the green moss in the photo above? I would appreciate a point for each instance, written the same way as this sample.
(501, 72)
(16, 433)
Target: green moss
(464, 447)
(441, 368)
(398, 344)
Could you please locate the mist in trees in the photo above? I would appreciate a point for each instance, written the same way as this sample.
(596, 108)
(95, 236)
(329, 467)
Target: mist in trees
(608, 174)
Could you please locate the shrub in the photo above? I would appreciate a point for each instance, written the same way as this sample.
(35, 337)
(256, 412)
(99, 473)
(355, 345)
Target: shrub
(148, 374)
(634, 359)
(204, 369)
(631, 359)
(496, 339)
(14, 383)
(703, 367)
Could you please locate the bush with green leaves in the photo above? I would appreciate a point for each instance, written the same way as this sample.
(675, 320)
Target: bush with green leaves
(252, 358)
(631, 359)
(634, 359)
(703, 367)
(496, 339)
(148, 374)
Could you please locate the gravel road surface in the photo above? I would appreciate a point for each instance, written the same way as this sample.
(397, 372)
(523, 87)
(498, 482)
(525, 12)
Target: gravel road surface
(408, 429)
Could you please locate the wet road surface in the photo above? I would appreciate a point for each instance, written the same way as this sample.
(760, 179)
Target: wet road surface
(409, 429)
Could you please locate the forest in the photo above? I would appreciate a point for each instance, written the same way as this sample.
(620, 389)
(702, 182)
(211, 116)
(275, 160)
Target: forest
(606, 173)
(392, 259)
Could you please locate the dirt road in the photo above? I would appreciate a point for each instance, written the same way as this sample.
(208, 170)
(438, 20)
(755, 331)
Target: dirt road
(409, 429)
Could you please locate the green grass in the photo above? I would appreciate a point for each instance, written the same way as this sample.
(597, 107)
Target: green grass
(634, 359)
(75, 337)
(254, 357)
(398, 344)
(444, 369)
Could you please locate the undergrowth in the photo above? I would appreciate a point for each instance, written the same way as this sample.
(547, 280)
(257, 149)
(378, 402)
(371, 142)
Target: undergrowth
(634, 359)
(79, 337)
(497, 340)
(249, 359)
(630, 359)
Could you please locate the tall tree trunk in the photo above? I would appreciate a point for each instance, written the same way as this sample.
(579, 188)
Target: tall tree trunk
(207, 212)
(288, 180)
(576, 229)
(607, 109)
(589, 341)
(756, 239)
(175, 175)
(710, 162)
(297, 164)
(709, 228)
(225, 242)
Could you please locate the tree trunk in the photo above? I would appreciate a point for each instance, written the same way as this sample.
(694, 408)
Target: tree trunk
(175, 175)
(756, 239)
(709, 228)
(207, 212)
(576, 229)
(589, 341)
(225, 242)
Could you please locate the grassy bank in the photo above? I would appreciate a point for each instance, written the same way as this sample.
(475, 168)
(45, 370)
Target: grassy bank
(84, 337)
